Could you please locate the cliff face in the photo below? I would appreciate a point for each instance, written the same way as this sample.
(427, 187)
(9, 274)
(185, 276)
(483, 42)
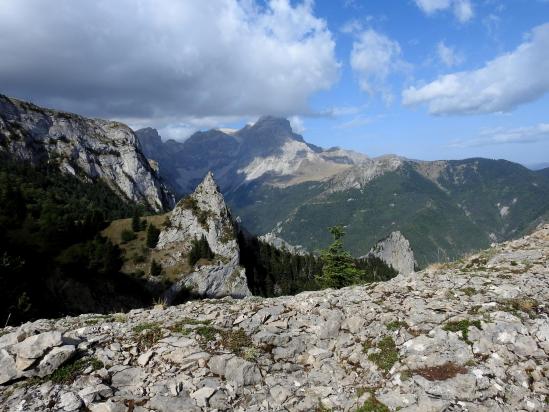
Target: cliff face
(468, 336)
(204, 213)
(395, 250)
(89, 148)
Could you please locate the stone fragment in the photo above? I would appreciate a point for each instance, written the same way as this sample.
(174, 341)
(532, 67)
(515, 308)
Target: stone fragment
(69, 401)
(54, 359)
(35, 346)
(8, 369)
(202, 395)
(172, 403)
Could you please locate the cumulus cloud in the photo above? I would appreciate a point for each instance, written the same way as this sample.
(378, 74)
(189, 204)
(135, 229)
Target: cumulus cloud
(448, 56)
(167, 61)
(462, 9)
(530, 134)
(374, 57)
(501, 85)
(297, 124)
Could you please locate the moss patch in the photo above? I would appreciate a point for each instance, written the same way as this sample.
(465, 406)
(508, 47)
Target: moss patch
(396, 325)
(147, 335)
(373, 405)
(386, 355)
(463, 327)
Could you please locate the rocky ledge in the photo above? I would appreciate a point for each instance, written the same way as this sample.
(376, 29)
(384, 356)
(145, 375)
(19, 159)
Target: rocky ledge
(468, 336)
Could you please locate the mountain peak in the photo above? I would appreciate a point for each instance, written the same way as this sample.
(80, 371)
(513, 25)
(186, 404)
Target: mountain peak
(208, 184)
(272, 124)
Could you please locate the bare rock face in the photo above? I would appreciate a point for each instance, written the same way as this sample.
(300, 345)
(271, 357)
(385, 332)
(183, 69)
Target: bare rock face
(204, 213)
(88, 148)
(395, 250)
(280, 244)
(472, 335)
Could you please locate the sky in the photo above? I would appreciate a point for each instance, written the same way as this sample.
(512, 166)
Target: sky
(425, 79)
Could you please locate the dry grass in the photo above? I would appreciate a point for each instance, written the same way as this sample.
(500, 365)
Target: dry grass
(137, 257)
(440, 373)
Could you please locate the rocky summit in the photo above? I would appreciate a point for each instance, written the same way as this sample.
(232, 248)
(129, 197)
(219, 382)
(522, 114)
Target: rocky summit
(472, 335)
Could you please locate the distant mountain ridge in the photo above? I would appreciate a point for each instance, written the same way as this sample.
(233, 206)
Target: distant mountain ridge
(278, 183)
(267, 150)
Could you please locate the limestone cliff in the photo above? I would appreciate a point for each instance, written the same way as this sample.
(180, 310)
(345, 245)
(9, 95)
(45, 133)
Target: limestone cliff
(467, 336)
(88, 148)
(204, 213)
(395, 250)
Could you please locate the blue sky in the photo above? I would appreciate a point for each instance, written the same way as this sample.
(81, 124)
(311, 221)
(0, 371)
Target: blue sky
(495, 28)
(425, 79)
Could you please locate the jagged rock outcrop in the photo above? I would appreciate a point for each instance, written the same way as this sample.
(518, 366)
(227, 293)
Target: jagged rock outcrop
(395, 250)
(280, 244)
(87, 148)
(466, 336)
(204, 213)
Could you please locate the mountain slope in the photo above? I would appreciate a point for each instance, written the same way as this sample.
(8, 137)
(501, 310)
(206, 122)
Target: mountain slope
(467, 336)
(544, 172)
(88, 148)
(276, 182)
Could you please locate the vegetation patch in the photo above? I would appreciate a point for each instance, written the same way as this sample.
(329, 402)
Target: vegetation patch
(207, 332)
(386, 355)
(200, 249)
(147, 335)
(440, 373)
(182, 326)
(526, 305)
(463, 327)
(67, 373)
(373, 405)
(396, 325)
(236, 340)
(469, 291)
(127, 236)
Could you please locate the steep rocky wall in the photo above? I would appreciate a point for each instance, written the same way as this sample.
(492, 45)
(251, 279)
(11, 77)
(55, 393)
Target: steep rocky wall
(88, 148)
(395, 250)
(468, 336)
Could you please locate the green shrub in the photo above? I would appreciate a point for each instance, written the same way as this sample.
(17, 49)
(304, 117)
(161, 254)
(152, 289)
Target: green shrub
(127, 235)
(156, 268)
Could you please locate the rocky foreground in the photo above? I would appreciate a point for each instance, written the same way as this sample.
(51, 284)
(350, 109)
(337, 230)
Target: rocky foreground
(468, 336)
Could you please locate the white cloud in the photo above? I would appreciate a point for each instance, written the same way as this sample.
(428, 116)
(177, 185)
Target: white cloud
(297, 124)
(501, 85)
(373, 58)
(462, 9)
(357, 121)
(448, 56)
(531, 134)
(166, 60)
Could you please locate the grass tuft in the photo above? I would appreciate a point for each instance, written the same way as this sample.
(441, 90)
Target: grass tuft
(463, 327)
(387, 354)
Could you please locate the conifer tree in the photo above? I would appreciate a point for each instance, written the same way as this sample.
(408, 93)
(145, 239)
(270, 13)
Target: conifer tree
(338, 266)
(136, 222)
(152, 236)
